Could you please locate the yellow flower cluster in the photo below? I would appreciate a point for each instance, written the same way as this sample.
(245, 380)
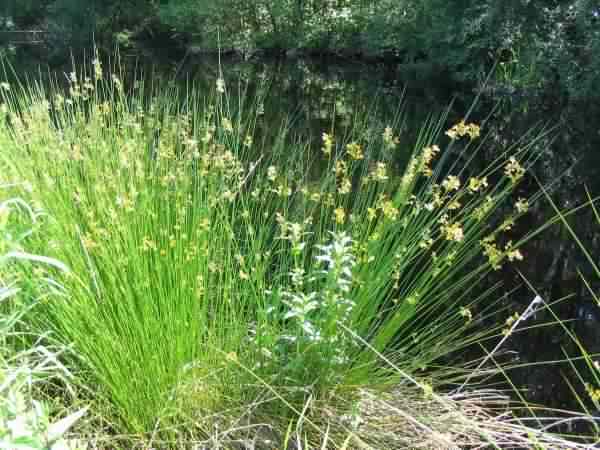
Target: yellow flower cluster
(451, 183)
(453, 231)
(389, 210)
(437, 199)
(292, 231)
(327, 144)
(593, 392)
(355, 151)
(371, 213)
(512, 253)
(390, 141)
(522, 206)
(484, 208)
(426, 239)
(513, 170)
(386, 206)
(509, 323)
(462, 129)
(379, 173)
(466, 313)
(494, 255)
(454, 205)
(429, 154)
(340, 215)
(410, 174)
(340, 168)
(477, 184)
(345, 186)
(507, 224)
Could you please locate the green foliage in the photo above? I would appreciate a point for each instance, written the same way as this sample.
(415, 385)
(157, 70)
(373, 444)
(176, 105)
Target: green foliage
(532, 42)
(24, 12)
(281, 24)
(210, 262)
(189, 15)
(24, 421)
(546, 44)
(314, 350)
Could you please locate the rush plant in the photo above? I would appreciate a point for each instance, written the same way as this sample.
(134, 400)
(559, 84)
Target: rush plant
(216, 263)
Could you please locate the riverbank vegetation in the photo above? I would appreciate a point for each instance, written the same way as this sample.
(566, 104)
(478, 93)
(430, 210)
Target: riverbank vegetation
(550, 45)
(213, 281)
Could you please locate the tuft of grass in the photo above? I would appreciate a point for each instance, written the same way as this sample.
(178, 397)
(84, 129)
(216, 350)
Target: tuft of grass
(224, 275)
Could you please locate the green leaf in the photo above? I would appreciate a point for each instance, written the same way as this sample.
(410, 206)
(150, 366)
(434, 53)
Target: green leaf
(22, 443)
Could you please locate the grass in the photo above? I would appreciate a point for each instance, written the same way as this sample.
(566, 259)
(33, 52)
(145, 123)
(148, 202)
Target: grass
(227, 283)
(24, 419)
(584, 365)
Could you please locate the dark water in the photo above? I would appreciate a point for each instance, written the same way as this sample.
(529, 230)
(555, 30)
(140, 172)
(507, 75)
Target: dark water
(309, 90)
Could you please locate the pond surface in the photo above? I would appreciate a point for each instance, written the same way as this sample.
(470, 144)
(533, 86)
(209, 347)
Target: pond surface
(316, 95)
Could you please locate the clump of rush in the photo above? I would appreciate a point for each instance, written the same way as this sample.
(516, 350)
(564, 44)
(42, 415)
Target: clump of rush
(219, 280)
